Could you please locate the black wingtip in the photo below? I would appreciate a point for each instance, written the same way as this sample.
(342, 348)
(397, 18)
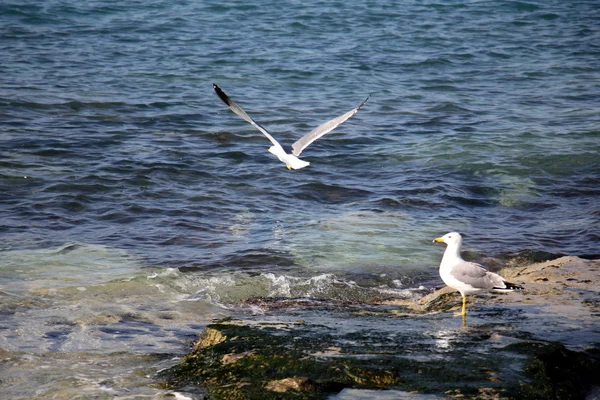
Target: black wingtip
(221, 94)
(513, 286)
(364, 102)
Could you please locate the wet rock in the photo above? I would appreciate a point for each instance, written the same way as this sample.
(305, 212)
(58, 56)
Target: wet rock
(557, 373)
(261, 357)
(293, 361)
(542, 343)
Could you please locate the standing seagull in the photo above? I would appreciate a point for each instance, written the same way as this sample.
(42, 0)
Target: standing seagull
(468, 277)
(290, 160)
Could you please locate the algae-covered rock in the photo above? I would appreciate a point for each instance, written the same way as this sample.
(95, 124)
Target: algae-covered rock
(294, 361)
(258, 359)
(555, 372)
(291, 361)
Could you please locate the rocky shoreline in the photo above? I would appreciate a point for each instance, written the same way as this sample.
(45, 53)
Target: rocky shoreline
(543, 343)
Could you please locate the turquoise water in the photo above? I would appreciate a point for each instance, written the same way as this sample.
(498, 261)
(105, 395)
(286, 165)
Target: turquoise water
(136, 207)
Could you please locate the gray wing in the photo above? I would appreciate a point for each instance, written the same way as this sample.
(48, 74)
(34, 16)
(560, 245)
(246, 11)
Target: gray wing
(238, 110)
(323, 129)
(476, 276)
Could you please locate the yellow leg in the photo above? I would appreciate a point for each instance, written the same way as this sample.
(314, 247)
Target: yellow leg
(288, 167)
(463, 311)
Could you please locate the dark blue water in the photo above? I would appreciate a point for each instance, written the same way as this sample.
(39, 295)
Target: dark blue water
(484, 118)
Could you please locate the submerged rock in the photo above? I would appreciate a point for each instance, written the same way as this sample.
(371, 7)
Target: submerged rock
(541, 344)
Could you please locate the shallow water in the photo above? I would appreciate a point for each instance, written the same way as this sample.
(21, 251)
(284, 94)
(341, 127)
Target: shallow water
(136, 207)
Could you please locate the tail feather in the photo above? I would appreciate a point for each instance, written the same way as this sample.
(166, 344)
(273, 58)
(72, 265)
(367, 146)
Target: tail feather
(298, 163)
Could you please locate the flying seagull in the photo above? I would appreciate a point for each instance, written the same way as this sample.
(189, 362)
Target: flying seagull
(468, 277)
(291, 160)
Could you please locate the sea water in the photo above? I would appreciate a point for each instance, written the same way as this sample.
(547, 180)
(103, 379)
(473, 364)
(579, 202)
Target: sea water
(136, 207)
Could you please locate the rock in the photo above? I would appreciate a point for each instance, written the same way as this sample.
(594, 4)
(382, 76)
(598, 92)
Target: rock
(542, 343)
(233, 357)
(441, 300)
(554, 372)
(286, 384)
(208, 338)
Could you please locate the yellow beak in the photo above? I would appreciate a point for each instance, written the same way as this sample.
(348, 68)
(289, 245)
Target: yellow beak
(438, 240)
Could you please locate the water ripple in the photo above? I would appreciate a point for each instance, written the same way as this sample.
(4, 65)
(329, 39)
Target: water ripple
(481, 114)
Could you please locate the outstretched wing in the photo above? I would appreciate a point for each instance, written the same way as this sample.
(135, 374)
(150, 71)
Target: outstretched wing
(238, 110)
(323, 129)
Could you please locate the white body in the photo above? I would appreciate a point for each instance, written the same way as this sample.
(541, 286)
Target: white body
(290, 160)
(464, 276)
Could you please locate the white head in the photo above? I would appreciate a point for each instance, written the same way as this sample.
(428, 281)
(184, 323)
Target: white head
(452, 238)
